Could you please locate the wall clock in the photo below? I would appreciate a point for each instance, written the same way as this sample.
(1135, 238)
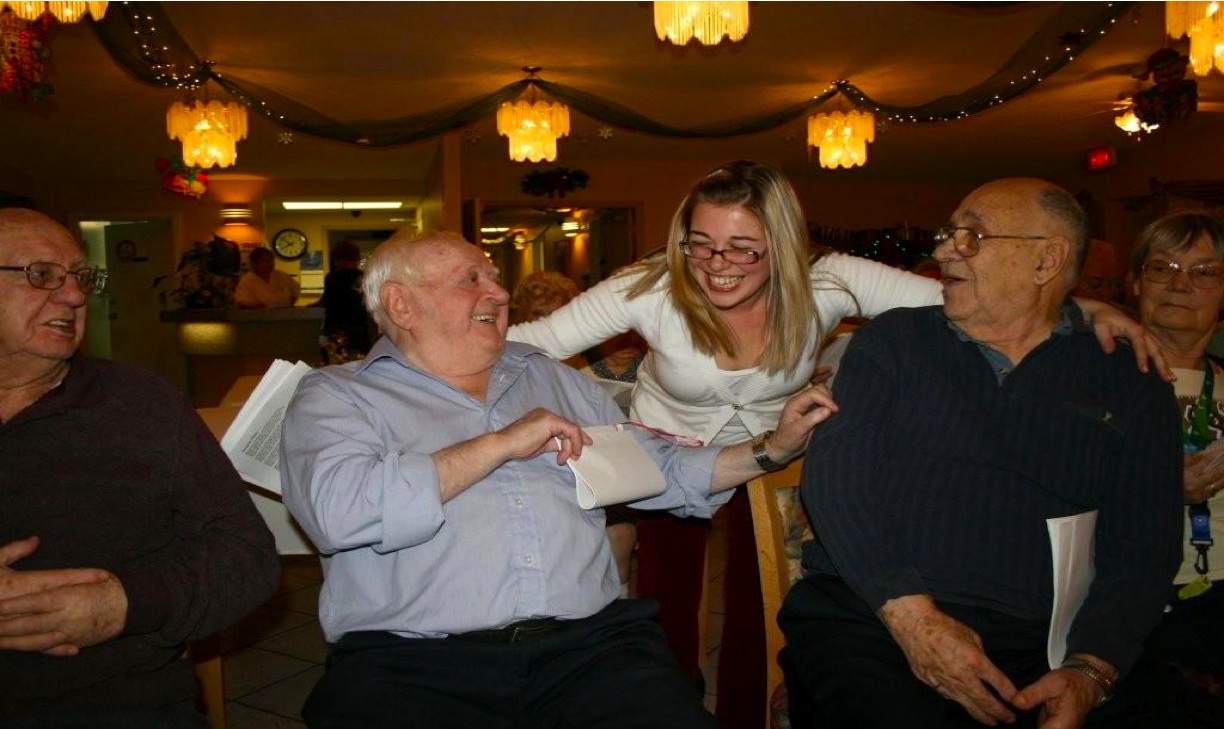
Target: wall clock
(289, 243)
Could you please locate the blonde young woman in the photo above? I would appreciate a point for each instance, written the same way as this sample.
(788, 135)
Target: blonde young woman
(734, 311)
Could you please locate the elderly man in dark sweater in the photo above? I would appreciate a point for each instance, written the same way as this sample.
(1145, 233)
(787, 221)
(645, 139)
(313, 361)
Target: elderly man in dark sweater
(962, 429)
(124, 530)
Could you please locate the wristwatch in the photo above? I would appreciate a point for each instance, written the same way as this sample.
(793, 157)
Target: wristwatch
(764, 462)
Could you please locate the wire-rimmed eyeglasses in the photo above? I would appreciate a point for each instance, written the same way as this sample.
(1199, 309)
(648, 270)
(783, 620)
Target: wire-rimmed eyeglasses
(51, 276)
(1202, 275)
(970, 243)
(704, 252)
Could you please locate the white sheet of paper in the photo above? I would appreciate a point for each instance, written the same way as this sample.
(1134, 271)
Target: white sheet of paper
(614, 469)
(1072, 546)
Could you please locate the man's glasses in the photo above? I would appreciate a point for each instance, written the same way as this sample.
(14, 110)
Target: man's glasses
(1203, 275)
(970, 243)
(704, 252)
(51, 276)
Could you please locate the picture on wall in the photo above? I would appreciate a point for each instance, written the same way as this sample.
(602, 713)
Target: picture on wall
(312, 261)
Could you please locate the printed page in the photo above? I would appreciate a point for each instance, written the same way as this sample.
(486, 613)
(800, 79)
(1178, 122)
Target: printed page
(253, 440)
(1072, 545)
(614, 469)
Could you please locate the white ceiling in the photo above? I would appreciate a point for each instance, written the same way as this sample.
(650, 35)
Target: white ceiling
(358, 61)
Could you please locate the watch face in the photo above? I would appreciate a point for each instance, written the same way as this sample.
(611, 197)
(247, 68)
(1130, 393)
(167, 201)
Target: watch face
(289, 243)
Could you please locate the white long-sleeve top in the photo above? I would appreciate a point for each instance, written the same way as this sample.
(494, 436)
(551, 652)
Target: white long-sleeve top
(682, 390)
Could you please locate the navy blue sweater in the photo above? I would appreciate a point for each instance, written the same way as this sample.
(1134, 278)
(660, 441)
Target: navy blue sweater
(935, 478)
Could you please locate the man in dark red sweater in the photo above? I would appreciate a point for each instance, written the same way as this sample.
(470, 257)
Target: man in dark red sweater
(961, 430)
(124, 530)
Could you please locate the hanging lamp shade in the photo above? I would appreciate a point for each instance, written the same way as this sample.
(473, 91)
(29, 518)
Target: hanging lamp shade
(841, 137)
(209, 131)
(65, 12)
(1203, 22)
(533, 128)
(708, 22)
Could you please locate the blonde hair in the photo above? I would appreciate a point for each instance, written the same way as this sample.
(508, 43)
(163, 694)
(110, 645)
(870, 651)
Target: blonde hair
(541, 288)
(763, 191)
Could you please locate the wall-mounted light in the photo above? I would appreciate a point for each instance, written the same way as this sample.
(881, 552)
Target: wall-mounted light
(236, 214)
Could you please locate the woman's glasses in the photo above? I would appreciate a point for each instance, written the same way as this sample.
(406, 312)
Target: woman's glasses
(1202, 275)
(51, 276)
(704, 252)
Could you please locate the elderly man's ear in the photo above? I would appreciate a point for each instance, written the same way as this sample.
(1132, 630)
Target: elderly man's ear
(1052, 260)
(397, 303)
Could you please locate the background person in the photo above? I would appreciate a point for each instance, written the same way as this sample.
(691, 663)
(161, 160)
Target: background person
(346, 324)
(124, 530)
(1178, 265)
(263, 286)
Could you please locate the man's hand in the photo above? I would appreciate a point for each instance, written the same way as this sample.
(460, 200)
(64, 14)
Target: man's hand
(56, 611)
(800, 415)
(14, 583)
(1065, 696)
(540, 431)
(1201, 481)
(947, 655)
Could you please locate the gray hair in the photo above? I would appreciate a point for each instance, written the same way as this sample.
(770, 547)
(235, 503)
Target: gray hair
(1177, 232)
(1063, 207)
(393, 260)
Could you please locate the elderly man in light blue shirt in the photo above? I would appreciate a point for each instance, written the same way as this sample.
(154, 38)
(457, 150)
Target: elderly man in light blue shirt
(464, 586)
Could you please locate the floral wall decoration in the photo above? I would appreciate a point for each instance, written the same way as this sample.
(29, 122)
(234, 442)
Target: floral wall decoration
(23, 57)
(553, 183)
(182, 179)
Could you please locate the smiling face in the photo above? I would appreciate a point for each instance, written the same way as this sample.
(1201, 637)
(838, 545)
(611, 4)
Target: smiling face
(1178, 306)
(38, 327)
(728, 286)
(456, 310)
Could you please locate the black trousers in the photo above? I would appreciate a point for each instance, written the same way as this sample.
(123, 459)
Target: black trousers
(613, 670)
(843, 668)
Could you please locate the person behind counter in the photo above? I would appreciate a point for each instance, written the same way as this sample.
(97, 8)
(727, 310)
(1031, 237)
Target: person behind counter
(346, 324)
(263, 286)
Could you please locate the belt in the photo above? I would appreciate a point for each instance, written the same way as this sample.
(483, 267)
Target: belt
(524, 631)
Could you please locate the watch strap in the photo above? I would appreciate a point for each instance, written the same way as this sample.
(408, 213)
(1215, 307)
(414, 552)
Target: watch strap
(764, 462)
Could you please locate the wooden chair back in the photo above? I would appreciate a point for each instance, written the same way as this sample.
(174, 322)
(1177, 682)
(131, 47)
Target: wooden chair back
(771, 524)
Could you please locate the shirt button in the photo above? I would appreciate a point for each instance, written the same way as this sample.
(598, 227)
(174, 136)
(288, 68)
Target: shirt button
(518, 502)
(530, 560)
(737, 407)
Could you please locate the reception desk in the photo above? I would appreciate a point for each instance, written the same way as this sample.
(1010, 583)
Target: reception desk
(221, 345)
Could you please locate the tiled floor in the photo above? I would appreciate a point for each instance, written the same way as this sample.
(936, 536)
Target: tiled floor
(274, 656)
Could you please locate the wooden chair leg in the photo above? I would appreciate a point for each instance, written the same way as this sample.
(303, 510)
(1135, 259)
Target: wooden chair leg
(206, 656)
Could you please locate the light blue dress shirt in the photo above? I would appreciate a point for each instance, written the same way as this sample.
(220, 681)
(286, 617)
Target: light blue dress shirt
(357, 475)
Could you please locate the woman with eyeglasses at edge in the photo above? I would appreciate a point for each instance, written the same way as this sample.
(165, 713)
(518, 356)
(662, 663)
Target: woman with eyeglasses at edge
(734, 311)
(1178, 264)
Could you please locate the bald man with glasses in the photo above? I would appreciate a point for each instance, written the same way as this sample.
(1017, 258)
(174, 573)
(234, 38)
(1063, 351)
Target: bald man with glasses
(124, 530)
(962, 429)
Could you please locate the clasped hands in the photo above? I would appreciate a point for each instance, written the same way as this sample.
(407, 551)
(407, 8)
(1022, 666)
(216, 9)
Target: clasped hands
(58, 611)
(947, 655)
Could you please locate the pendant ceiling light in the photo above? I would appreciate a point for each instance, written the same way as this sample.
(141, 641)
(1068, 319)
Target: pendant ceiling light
(708, 22)
(842, 137)
(209, 130)
(1204, 23)
(64, 12)
(533, 125)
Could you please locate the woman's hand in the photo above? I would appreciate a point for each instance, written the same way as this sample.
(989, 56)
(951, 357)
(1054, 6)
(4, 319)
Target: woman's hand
(1204, 476)
(1110, 323)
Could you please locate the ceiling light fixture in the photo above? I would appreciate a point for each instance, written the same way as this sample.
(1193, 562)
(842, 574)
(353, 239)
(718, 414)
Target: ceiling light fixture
(1204, 23)
(708, 22)
(64, 12)
(209, 131)
(841, 137)
(337, 205)
(533, 125)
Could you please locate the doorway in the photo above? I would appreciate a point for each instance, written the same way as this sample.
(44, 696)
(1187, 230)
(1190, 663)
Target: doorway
(124, 323)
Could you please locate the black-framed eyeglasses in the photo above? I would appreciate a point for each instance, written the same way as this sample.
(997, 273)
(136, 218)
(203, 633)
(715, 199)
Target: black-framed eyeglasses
(970, 243)
(704, 252)
(51, 276)
(1202, 275)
